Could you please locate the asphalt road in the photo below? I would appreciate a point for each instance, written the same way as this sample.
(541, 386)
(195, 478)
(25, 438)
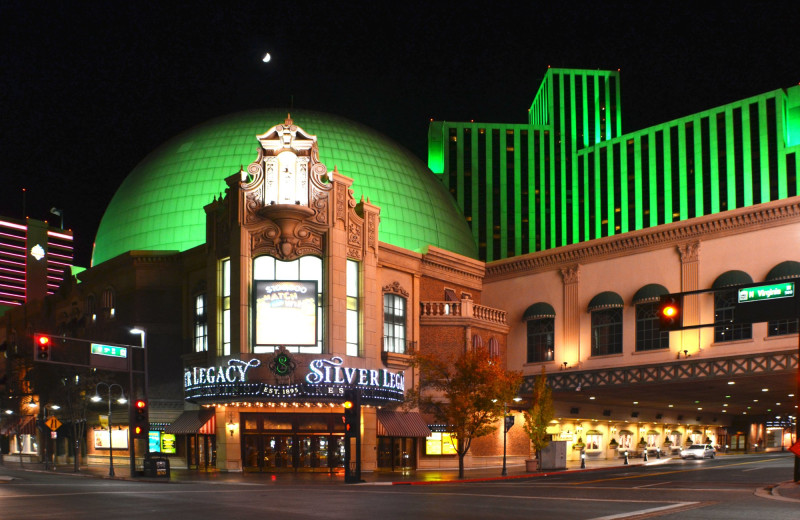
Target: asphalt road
(726, 489)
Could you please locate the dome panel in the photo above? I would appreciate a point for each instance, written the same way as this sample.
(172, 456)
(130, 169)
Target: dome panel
(163, 197)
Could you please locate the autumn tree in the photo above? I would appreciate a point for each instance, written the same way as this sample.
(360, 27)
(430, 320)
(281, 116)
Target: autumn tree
(466, 392)
(538, 417)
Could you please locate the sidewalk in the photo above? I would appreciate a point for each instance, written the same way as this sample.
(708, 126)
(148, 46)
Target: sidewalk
(788, 490)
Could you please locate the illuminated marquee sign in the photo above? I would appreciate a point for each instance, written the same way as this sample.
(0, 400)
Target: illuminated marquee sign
(326, 379)
(286, 312)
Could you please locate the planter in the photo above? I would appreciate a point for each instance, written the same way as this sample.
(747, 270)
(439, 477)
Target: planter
(531, 465)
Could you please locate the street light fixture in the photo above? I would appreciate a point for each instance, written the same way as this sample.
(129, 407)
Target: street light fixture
(121, 400)
(506, 427)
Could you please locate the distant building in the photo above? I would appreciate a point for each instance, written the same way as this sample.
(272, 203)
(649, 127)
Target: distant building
(34, 259)
(570, 175)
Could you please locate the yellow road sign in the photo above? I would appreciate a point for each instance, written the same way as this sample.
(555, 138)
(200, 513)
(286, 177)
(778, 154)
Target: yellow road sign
(53, 423)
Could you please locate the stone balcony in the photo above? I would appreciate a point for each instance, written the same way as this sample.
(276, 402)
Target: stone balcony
(462, 312)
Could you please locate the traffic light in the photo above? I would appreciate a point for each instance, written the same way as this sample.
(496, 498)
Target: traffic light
(352, 414)
(140, 423)
(41, 347)
(670, 312)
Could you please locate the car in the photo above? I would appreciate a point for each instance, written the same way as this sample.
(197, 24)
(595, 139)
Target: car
(699, 451)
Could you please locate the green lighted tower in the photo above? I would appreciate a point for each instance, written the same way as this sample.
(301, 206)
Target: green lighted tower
(570, 175)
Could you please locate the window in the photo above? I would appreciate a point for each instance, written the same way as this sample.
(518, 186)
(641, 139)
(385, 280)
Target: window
(782, 327)
(540, 340)
(200, 324)
(607, 332)
(352, 308)
(394, 323)
(302, 332)
(494, 348)
(594, 441)
(108, 303)
(91, 309)
(225, 297)
(724, 328)
(649, 335)
(477, 343)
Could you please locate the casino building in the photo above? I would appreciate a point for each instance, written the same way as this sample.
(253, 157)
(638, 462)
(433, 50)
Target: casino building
(280, 264)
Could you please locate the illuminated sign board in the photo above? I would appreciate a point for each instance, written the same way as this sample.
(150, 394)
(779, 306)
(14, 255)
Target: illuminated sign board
(766, 292)
(285, 312)
(326, 379)
(103, 442)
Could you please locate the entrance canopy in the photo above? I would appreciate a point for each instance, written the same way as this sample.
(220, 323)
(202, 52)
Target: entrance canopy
(194, 421)
(401, 424)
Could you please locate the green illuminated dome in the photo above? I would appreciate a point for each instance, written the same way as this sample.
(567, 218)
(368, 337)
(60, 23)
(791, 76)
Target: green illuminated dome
(160, 204)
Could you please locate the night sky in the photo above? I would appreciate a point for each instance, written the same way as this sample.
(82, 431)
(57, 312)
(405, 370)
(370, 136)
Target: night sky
(89, 88)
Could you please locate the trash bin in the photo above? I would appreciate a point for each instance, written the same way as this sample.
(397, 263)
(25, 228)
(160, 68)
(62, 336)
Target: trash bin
(156, 467)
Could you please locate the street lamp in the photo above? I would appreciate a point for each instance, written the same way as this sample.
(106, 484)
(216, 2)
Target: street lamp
(121, 400)
(506, 427)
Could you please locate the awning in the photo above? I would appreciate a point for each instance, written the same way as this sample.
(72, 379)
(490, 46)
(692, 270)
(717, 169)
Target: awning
(606, 300)
(697, 432)
(653, 432)
(594, 432)
(784, 270)
(401, 424)
(676, 432)
(651, 292)
(730, 278)
(25, 425)
(625, 432)
(538, 311)
(194, 421)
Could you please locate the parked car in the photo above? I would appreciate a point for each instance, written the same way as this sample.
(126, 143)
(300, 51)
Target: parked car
(699, 451)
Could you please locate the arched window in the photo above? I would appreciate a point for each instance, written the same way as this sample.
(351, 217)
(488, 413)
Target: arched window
(724, 305)
(494, 348)
(649, 335)
(477, 343)
(783, 271)
(540, 318)
(200, 324)
(606, 310)
(108, 303)
(91, 308)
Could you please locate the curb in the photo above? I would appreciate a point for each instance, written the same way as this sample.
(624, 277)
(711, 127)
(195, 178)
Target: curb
(513, 477)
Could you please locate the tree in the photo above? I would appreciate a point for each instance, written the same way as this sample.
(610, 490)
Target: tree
(538, 417)
(466, 392)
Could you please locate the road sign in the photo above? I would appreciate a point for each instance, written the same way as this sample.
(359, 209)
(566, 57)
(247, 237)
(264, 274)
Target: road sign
(766, 292)
(109, 350)
(53, 423)
(795, 448)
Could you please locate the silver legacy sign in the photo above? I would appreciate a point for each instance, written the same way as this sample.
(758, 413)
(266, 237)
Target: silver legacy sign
(324, 371)
(233, 373)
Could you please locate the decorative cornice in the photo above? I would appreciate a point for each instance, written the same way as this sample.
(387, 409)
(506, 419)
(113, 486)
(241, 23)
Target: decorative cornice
(394, 287)
(742, 220)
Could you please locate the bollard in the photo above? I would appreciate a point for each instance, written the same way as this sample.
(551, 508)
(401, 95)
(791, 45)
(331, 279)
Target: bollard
(626, 458)
(658, 453)
(583, 459)
(645, 455)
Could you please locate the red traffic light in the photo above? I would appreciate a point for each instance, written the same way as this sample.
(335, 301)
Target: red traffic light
(41, 347)
(140, 404)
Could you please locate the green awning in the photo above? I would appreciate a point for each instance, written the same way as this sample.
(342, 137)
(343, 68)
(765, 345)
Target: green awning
(538, 311)
(653, 432)
(606, 300)
(651, 292)
(676, 432)
(625, 432)
(697, 432)
(730, 278)
(784, 270)
(594, 432)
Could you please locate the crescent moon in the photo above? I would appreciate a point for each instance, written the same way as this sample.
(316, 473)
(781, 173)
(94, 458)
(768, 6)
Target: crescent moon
(266, 58)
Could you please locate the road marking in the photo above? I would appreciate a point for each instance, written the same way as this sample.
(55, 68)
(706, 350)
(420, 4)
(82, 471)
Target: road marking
(649, 512)
(645, 475)
(653, 484)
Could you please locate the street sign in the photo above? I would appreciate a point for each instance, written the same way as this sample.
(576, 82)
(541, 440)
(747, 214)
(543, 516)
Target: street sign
(53, 423)
(795, 448)
(766, 292)
(109, 350)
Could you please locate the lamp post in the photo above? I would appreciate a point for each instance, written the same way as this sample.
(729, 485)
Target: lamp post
(121, 400)
(506, 427)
